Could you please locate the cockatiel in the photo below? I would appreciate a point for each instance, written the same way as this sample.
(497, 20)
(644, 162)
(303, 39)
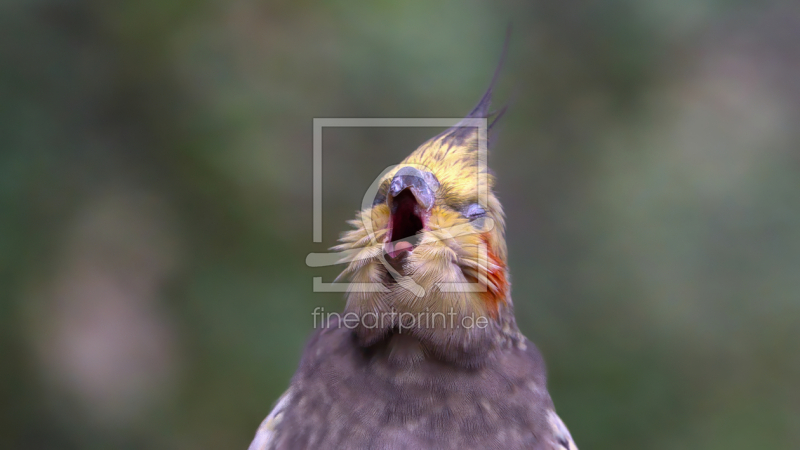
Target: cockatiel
(432, 358)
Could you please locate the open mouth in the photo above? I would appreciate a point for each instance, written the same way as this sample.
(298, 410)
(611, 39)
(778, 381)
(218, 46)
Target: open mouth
(408, 219)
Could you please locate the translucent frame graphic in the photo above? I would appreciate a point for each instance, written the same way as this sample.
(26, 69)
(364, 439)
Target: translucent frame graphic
(334, 258)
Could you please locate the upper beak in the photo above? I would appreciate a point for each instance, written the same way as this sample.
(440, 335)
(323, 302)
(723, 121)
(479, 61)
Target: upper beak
(414, 180)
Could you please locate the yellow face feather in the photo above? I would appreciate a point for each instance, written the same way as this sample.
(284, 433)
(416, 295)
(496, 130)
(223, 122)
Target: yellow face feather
(458, 256)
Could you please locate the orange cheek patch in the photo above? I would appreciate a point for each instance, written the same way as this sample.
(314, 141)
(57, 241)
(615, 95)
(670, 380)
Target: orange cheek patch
(497, 276)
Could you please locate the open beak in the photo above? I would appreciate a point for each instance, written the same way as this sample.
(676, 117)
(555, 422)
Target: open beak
(411, 198)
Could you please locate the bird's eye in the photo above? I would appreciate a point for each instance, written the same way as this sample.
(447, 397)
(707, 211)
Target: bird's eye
(474, 211)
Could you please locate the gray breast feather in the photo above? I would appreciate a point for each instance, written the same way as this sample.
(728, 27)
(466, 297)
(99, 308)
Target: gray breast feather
(344, 396)
(562, 440)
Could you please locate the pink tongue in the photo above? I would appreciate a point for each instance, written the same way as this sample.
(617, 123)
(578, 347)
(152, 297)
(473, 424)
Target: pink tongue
(394, 248)
(402, 245)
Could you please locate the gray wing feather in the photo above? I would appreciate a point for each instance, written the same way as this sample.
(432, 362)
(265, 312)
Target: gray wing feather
(563, 440)
(266, 431)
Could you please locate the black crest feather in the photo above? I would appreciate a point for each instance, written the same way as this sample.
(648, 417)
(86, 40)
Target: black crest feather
(482, 108)
(458, 133)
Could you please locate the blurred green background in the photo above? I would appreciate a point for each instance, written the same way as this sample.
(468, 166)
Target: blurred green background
(155, 205)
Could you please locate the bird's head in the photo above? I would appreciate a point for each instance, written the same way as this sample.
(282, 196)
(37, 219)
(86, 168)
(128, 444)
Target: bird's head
(428, 257)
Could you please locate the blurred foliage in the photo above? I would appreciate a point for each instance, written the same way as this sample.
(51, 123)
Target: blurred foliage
(155, 189)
